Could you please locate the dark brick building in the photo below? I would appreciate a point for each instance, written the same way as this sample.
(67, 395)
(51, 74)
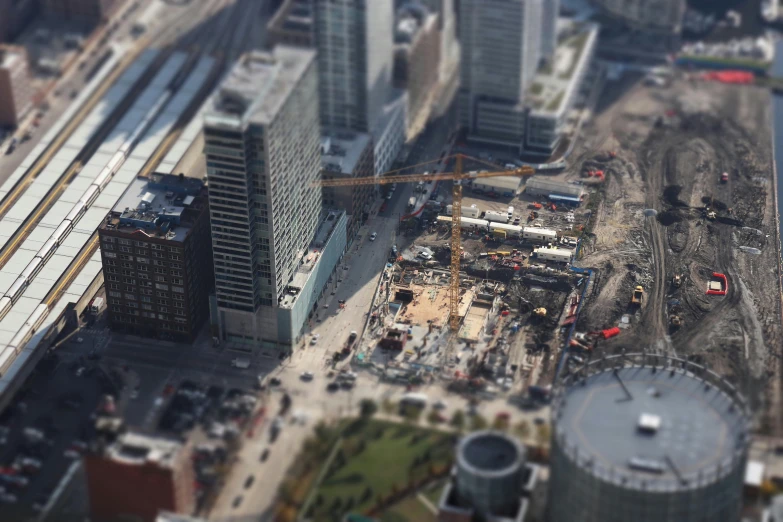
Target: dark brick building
(157, 258)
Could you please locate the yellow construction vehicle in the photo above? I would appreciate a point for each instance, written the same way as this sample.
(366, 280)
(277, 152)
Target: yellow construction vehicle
(637, 296)
(677, 280)
(540, 312)
(458, 177)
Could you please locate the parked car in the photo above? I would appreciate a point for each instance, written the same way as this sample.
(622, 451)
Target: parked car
(307, 376)
(373, 236)
(264, 455)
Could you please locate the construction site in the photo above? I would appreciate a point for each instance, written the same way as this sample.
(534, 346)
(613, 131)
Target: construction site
(683, 239)
(517, 295)
(660, 235)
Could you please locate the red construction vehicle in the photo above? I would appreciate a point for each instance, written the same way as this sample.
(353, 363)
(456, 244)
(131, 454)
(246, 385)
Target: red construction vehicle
(552, 207)
(535, 205)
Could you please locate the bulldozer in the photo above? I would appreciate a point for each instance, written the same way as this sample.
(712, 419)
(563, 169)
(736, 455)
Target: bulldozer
(637, 296)
(677, 280)
(540, 312)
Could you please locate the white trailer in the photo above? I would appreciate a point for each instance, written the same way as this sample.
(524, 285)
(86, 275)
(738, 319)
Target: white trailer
(538, 234)
(558, 255)
(500, 217)
(472, 211)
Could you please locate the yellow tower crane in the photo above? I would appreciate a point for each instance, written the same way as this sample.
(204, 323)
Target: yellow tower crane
(458, 176)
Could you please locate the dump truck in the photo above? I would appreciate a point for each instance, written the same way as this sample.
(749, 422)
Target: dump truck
(636, 297)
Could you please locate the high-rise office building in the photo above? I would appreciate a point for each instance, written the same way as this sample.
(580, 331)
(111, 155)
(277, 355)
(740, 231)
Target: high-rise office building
(262, 143)
(355, 45)
(501, 51)
(355, 60)
(551, 10)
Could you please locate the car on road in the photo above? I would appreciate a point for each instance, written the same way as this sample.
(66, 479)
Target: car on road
(373, 236)
(440, 404)
(80, 371)
(80, 340)
(306, 376)
(264, 455)
(352, 337)
(314, 339)
(424, 255)
(333, 386)
(237, 501)
(389, 196)
(249, 481)
(274, 381)
(134, 394)
(8, 498)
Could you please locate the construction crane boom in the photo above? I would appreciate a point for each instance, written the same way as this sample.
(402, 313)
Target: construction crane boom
(458, 176)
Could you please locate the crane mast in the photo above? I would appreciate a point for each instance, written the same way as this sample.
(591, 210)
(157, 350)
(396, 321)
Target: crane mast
(458, 176)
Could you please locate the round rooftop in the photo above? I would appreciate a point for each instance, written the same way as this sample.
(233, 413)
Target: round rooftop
(651, 427)
(490, 453)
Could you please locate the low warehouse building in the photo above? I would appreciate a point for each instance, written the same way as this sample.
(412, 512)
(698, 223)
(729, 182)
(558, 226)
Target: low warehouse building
(558, 255)
(557, 191)
(505, 185)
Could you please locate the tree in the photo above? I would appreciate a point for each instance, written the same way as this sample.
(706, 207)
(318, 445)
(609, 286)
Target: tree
(500, 424)
(433, 417)
(368, 408)
(412, 414)
(388, 406)
(477, 422)
(458, 420)
(542, 435)
(522, 429)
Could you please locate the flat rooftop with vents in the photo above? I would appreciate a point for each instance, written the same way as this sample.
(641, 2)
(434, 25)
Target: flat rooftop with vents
(163, 206)
(660, 429)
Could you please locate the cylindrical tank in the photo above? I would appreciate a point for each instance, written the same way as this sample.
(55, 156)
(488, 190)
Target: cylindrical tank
(490, 470)
(649, 439)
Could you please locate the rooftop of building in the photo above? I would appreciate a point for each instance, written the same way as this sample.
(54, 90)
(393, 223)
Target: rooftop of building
(542, 182)
(655, 426)
(293, 15)
(342, 149)
(137, 448)
(257, 86)
(555, 81)
(311, 257)
(10, 55)
(162, 206)
(410, 19)
(490, 452)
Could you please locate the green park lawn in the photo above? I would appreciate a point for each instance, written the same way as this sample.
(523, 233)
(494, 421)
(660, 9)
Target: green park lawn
(375, 460)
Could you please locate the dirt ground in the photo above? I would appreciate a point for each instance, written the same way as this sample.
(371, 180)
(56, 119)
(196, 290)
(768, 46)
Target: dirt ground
(651, 223)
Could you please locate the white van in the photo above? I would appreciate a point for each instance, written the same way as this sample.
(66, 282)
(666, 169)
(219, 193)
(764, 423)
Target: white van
(510, 213)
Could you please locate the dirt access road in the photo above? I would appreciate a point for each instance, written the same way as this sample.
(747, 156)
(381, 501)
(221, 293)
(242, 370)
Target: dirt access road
(650, 223)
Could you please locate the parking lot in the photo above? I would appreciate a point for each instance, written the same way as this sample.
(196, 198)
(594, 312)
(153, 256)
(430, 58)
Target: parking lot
(46, 429)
